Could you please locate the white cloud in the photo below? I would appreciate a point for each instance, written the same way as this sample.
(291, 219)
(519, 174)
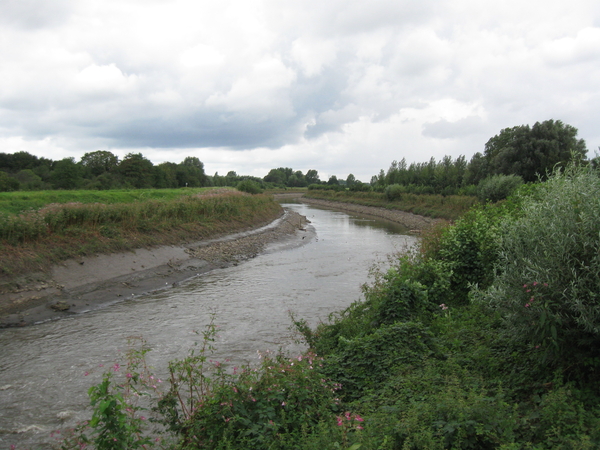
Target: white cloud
(339, 86)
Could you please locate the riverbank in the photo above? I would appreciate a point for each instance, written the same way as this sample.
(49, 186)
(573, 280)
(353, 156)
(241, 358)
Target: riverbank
(88, 283)
(414, 222)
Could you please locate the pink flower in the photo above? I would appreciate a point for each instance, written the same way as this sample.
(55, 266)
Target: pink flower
(535, 283)
(129, 375)
(340, 422)
(116, 367)
(358, 427)
(527, 305)
(86, 374)
(282, 403)
(360, 419)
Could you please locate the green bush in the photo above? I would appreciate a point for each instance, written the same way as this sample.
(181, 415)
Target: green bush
(470, 250)
(394, 192)
(249, 186)
(548, 285)
(498, 187)
(363, 363)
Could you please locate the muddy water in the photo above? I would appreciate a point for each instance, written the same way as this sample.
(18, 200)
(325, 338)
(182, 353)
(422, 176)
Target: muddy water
(42, 368)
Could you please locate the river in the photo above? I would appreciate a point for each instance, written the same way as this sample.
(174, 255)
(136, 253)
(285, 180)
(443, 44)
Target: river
(43, 381)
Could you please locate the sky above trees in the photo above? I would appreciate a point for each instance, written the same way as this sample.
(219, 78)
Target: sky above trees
(248, 85)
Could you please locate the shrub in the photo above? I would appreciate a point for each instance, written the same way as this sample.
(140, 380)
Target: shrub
(548, 285)
(249, 186)
(498, 187)
(394, 192)
(363, 363)
(470, 250)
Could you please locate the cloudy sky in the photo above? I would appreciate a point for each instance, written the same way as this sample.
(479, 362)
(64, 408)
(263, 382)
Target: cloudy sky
(341, 86)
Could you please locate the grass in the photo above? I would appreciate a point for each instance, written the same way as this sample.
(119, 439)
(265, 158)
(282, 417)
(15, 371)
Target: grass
(449, 207)
(35, 240)
(14, 203)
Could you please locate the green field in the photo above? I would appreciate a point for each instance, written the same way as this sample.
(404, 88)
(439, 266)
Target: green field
(23, 201)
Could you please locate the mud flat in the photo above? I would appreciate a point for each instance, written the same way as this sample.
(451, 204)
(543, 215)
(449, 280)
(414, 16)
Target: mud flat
(85, 284)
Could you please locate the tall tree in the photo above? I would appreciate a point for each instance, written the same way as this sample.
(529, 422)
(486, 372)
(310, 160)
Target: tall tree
(137, 170)
(533, 151)
(66, 174)
(312, 177)
(99, 162)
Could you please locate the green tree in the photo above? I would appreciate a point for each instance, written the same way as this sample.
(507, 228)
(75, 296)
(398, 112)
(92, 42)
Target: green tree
(276, 176)
(333, 181)
(350, 180)
(66, 174)
(190, 173)
(8, 183)
(99, 162)
(532, 152)
(137, 170)
(165, 176)
(312, 177)
(29, 180)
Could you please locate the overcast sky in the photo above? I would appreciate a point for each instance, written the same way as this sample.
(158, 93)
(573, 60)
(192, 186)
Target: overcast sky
(341, 86)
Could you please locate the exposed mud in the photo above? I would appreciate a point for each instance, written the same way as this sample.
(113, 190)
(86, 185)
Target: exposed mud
(88, 283)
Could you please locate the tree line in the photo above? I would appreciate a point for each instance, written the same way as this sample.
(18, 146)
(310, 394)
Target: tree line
(521, 152)
(99, 170)
(518, 154)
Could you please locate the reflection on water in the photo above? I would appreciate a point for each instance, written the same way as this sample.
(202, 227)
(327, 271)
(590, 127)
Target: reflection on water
(42, 381)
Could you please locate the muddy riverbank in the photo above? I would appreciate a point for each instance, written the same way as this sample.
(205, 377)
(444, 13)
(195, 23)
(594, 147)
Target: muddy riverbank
(413, 222)
(77, 286)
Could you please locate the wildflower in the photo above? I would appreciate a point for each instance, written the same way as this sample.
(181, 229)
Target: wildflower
(527, 305)
(282, 403)
(131, 376)
(358, 427)
(86, 374)
(116, 367)
(444, 307)
(357, 417)
(535, 283)
(340, 422)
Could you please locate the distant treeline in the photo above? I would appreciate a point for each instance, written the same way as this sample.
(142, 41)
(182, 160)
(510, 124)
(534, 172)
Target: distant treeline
(516, 155)
(522, 151)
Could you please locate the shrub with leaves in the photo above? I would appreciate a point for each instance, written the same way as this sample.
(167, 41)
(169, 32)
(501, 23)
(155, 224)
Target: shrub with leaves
(548, 284)
(498, 187)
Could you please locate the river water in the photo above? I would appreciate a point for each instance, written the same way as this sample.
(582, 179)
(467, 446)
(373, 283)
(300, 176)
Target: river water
(43, 381)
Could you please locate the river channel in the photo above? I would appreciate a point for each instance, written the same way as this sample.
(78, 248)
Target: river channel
(43, 381)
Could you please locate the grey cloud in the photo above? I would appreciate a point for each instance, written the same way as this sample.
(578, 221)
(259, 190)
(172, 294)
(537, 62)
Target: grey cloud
(34, 14)
(442, 129)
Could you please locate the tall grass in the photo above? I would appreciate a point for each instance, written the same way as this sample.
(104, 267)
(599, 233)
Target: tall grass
(59, 231)
(449, 207)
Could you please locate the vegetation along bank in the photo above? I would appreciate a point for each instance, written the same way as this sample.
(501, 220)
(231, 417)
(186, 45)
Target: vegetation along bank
(486, 337)
(57, 255)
